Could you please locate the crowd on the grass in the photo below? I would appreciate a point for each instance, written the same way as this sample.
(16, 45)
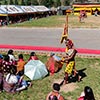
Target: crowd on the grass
(12, 72)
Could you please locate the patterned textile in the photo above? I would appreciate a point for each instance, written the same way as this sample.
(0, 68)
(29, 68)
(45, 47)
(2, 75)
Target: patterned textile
(10, 88)
(69, 67)
(7, 66)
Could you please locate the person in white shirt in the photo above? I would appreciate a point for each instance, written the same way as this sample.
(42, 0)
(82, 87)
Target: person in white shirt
(11, 55)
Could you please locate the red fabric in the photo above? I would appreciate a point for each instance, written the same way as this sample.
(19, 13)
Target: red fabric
(33, 58)
(80, 98)
(46, 48)
(51, 64)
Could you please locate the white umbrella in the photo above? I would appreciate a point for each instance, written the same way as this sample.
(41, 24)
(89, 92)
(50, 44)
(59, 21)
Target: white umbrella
(35, 69)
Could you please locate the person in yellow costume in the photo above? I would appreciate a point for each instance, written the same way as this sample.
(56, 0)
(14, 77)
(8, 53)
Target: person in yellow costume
(69, 59)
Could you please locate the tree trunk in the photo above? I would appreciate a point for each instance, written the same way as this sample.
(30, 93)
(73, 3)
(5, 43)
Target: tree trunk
(62, 2)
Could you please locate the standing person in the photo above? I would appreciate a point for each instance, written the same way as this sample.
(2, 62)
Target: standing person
(69, 59)
(87, 94)
(67, 43)
(20, 64)
(55, 93)
(70, 45)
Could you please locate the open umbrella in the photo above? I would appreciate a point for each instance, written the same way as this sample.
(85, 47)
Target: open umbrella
(35, 69)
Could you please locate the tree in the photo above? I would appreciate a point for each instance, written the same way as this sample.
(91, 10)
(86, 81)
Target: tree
(62, 2)
(16, 2)
(39, 2)
(11, 2)
(34, 2)
(56, 3)
(22, 2)
(5, 2)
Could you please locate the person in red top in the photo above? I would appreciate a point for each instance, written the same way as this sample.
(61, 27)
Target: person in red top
(55, 94)
(33, 56)
(87, 94)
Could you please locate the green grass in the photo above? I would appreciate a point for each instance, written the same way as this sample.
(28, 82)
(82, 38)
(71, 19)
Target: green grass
(42, 87)
(51, 21)
(60, 20)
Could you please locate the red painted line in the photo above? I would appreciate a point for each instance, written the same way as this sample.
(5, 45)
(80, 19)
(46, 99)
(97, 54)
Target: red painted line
(45, 48)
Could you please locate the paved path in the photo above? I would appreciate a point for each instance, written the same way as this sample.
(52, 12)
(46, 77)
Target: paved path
(50, 37)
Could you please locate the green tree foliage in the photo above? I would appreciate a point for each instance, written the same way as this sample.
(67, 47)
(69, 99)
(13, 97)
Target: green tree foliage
(34, 2)
(56, 3)
(16, 2)
(48, 3)
(11, 2)
(67, 2)
(5, 2)
(22, 2)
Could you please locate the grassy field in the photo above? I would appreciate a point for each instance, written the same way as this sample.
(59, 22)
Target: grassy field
(59, 21)
(71, 91)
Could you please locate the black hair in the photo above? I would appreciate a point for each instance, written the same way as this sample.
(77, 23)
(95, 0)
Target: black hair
(88, 93)
(13, 70)
(32, 54)
(20, 73)
(10, 51)
(20, 56)
(6, 58)
(56, 86)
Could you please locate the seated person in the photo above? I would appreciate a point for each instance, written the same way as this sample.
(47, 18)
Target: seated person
(14, 83)
(11, 56)
(22, 84)
(55, 94)
(20, 64)
(53, 63)
(10, 82)
(7, 65)
(87, 94)
(33, 56)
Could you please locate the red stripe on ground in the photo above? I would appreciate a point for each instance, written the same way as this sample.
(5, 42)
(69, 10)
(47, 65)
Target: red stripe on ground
(45, 48)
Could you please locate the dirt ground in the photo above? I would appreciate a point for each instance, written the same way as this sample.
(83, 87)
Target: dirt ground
(67, 87)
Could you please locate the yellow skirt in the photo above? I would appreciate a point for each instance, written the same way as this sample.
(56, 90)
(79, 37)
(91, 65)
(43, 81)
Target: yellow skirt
(69, 67)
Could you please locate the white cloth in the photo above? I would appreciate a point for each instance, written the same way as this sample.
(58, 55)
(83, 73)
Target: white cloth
(82, 94)
(11, 79)
(57, 58)
(12, 58)
(70, 52)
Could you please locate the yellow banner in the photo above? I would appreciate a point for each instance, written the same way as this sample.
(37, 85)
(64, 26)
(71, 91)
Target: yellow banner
(3, 15)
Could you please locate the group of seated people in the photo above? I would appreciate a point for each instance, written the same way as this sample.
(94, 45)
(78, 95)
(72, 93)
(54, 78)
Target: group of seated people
(12, 72)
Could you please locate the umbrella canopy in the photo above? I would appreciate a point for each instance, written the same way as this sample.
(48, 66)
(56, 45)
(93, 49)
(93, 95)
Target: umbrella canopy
(35, 69)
